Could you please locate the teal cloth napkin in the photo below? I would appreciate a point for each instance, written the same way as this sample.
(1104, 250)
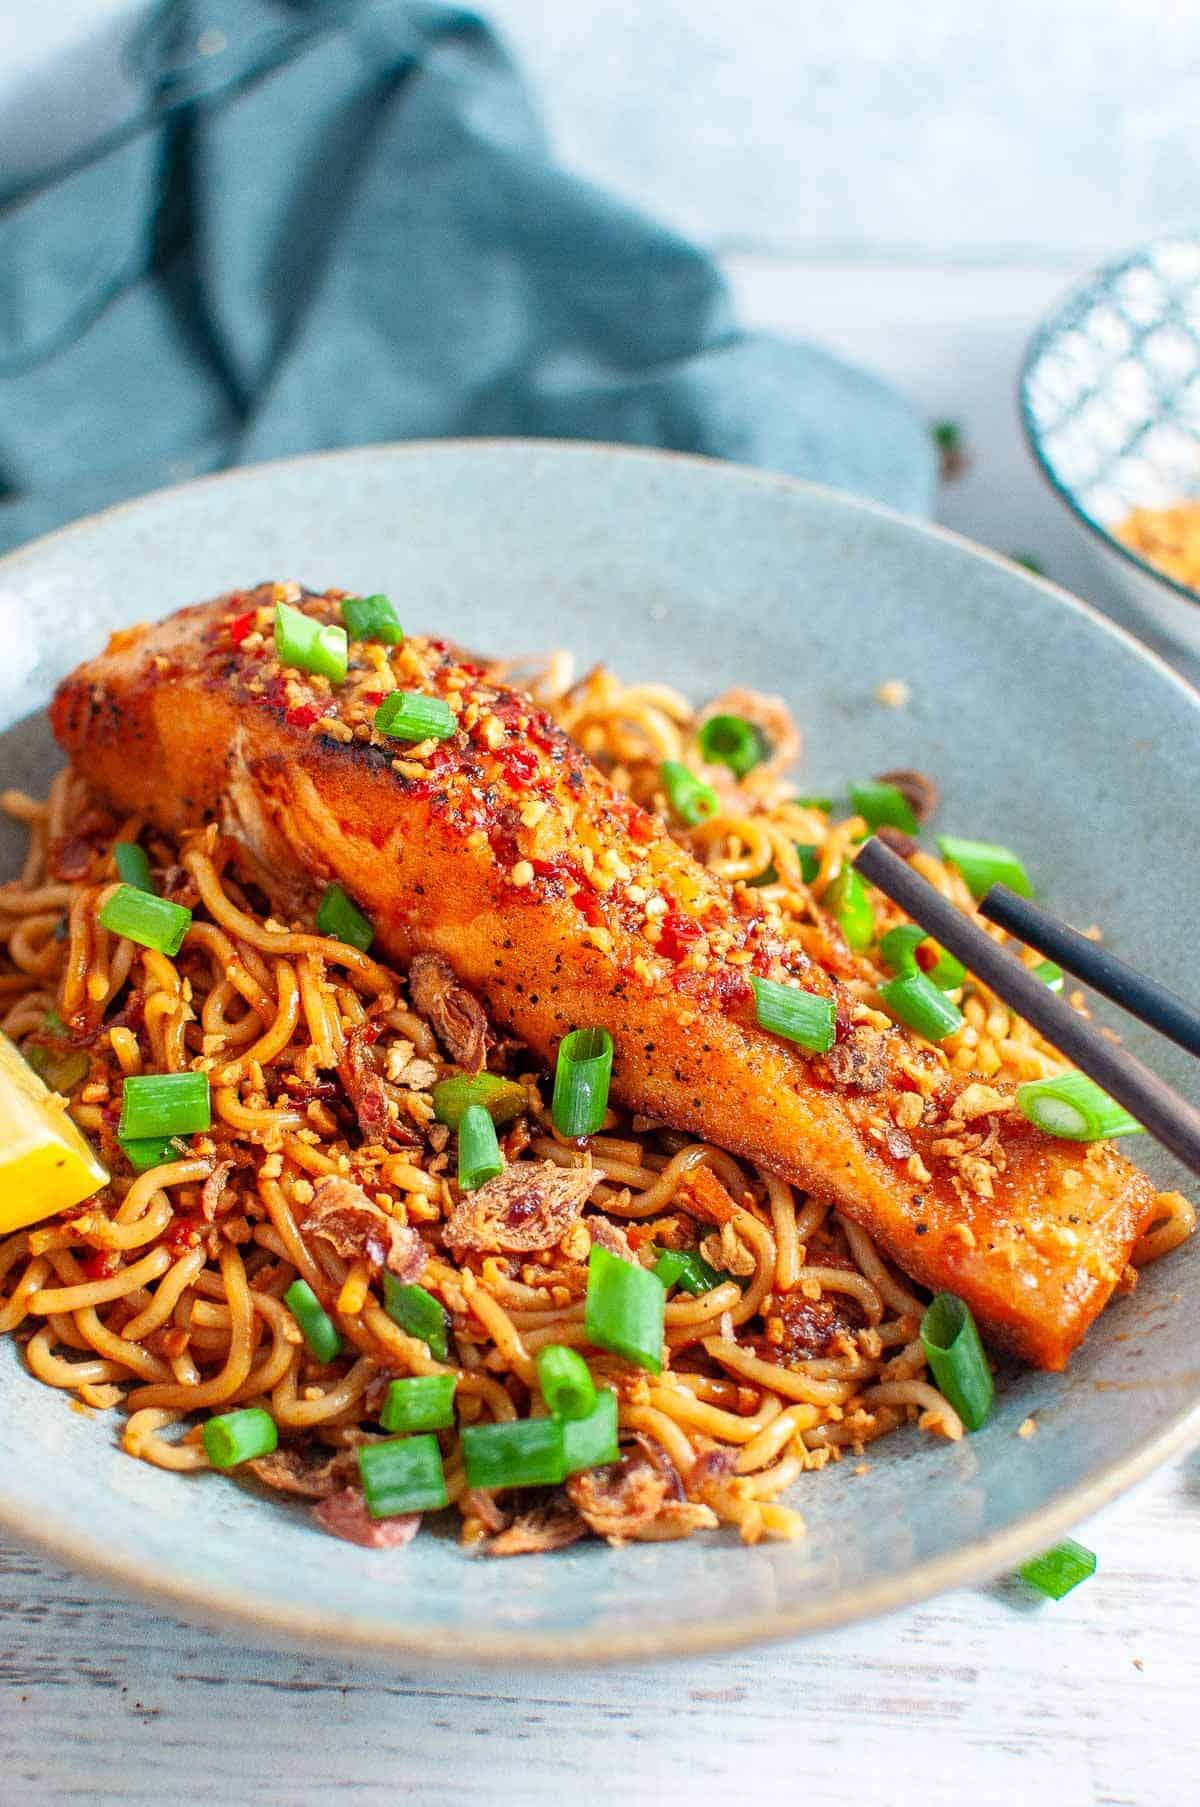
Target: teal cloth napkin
(326, 224)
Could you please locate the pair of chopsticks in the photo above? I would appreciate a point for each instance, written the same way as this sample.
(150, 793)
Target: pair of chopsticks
(1169, 1118)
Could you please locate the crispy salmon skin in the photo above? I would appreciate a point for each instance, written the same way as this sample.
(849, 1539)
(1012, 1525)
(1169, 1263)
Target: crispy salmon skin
(562, 904)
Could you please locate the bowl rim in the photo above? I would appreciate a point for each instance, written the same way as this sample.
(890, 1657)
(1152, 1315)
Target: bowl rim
(979, 1560)
(1040, 341)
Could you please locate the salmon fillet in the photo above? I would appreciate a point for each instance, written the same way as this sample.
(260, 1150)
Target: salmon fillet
(563, 904)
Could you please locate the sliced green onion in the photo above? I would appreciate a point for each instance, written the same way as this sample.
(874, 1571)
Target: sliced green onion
(824, 804)
(527, 1452)
(408, 715)
(582, 1074)
(801, 1016)
(1072, 1106)
(1049, 973)
(145, 1152)
(898, 950)
(372, 618)
(849, 903)
(307, 645)
(239, 1436)
(679, 1267)
(883, 806)
(1057, 1571)
(733, 741)
(423, 1403)
(164, 1104)
(624, 1309)
(479, 1157)
(956, 1359)
(343, 920)
(946, 973)
(914, 999)
(592, 1441)
(810, 861)
(810, 865)
(502, 1099)
(691, 800)
(61, 1069)
(320, 1331)
(416, 1311)
(403, 1476)
(566, 1381)
(133, 865)
(149, 920)
(983, 865)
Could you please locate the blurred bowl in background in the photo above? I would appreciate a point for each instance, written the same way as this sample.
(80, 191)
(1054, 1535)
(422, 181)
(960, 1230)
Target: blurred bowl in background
(1110, 404)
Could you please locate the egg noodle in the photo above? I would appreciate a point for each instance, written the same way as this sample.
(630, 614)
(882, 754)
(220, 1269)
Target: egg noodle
(163, 1295)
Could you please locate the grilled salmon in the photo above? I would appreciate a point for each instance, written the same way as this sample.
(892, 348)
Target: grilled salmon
(506, 851)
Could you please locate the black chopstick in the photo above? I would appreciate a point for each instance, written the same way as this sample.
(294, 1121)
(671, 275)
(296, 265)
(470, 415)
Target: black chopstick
(1169, 1118)
(1135, 992)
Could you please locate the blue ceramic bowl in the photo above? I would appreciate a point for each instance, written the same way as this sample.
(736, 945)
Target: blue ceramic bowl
(699, 574)
(1110, 403)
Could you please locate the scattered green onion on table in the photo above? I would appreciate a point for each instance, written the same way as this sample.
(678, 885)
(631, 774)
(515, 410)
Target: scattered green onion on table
(1055, 1572)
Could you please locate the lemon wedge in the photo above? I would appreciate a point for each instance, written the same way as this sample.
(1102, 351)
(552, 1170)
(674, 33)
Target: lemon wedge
(45, 1164)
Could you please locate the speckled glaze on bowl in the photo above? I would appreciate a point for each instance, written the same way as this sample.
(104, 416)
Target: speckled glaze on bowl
(1043, 723)
(1110, 404)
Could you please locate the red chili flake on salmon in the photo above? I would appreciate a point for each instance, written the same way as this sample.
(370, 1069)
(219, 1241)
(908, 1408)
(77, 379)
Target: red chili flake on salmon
(303, 715)
(239, 628)
(679, 935)
(519, 764)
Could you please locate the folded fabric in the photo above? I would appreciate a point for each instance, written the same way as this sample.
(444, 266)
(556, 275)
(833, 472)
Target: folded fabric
(329, 224)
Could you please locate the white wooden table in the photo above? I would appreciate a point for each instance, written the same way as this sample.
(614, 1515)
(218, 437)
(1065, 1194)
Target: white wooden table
(977, 1697)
